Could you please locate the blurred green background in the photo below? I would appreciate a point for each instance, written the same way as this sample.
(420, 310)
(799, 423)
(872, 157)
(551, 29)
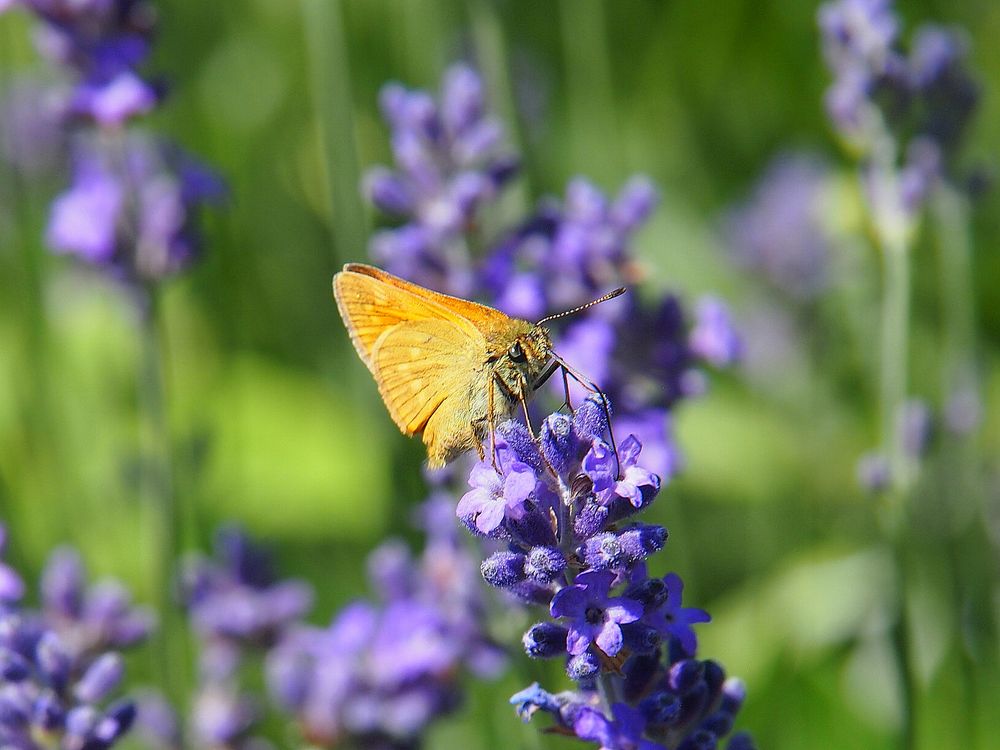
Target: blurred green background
(276, 423)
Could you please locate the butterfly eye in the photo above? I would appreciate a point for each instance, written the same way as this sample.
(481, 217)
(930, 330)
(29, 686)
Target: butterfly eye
(516, 353)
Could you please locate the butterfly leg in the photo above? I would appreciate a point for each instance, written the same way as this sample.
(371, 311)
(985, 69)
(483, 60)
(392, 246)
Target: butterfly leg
(569, 371)
(491, 425)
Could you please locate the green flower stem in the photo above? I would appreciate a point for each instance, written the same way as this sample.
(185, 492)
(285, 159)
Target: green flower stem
(329, 79)
(950, 212)
(156, 493)
(894, 230)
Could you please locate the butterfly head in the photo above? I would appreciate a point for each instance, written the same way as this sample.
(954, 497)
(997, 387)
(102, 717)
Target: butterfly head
(521, 357)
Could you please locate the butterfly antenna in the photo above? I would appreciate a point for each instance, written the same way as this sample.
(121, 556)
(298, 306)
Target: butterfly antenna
(610, 295)
(568, 369)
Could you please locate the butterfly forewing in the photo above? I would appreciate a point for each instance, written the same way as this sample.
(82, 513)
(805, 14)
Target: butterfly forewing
(484, 318)
(370, 305)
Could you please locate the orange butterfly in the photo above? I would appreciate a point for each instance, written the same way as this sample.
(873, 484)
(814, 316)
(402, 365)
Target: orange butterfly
(446, 368)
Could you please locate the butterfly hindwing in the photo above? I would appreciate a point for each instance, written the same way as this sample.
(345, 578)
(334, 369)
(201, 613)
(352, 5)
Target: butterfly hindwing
(415, 365)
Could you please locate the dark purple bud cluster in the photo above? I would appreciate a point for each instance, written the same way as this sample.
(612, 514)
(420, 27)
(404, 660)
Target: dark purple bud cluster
(58, 674)
(561, 505)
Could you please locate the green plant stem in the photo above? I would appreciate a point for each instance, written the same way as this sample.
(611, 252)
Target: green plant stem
(950, 212)
(893, 227)
(893, 358)
(157, 495)
(329, 79)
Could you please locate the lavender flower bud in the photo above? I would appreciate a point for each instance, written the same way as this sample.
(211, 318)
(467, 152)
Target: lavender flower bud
(635, 203)
(639, 670)
(661, 708)
(462, 100)
(116, 722)
(545, 640)
(590, 420)
(651, 592)
(534, 528)
(582, 667)
(519, 441)
(715, 678)
(13, 666)
(741, 741)
(53, 660)
(559, 444)
(543, 564)
(101, 678)
(640, 638)
(915, 426)
(590, 520)
(62, 584)
(621, 551)
(719, 724)
(504, 569)
(15, 706)
(81, 721)
(699, 740)
(873, 472)
(388, 192)
(532, 593)
(685, 675)
(48, 713)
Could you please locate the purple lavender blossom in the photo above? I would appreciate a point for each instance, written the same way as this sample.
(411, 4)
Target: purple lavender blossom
(494, 496)
(58, 681)
(593, 616)
(664, 611)
(779, 232)
(102, 44)
(90, 619)
(927, 94)
(614, 626)
(236, 597)
(618, 475)
(566, 253)
(132, 211)
(381, 672)
(450, 162)
(560, 502)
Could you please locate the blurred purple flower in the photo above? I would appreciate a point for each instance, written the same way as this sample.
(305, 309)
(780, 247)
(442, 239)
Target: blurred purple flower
(380, 673)
(779, 232)
(56, 676)
(236, 597)
(714, 338)
(133, 212)
(450, 162)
